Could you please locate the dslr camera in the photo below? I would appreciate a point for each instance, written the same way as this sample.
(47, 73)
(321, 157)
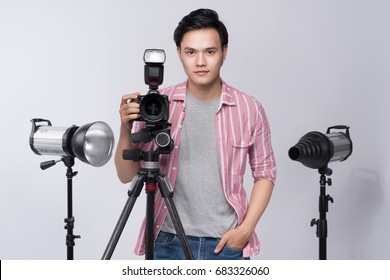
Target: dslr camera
(154, 107)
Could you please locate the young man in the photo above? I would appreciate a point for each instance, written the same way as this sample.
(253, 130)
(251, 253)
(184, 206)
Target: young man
(215, 127)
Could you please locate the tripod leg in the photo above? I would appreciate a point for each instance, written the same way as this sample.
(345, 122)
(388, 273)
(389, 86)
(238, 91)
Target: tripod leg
(135, 190)
(149, 227)
(167, 193)
(179, 228)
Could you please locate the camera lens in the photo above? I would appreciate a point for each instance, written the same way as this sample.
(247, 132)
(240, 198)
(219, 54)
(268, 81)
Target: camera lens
(153, 108)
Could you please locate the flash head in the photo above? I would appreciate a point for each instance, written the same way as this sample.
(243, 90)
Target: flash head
(154, 68)
(154, 56)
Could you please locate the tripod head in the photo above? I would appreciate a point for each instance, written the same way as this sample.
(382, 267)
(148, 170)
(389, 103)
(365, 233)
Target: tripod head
(151, 159)
(163, 140)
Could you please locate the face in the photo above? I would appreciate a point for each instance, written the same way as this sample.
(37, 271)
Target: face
(202, 56)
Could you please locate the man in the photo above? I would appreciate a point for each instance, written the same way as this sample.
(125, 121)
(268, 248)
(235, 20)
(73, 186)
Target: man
(215, 127)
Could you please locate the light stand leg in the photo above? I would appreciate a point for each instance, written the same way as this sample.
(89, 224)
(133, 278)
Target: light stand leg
(323, 207)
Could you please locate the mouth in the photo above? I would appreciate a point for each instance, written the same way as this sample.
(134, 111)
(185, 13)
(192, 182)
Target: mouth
(201, 72)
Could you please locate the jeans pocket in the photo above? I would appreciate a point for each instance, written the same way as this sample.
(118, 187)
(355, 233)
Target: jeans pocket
(167, 247)
(165, 238)
(228, 253)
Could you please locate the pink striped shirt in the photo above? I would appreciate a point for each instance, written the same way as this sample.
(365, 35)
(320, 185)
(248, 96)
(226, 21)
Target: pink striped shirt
(242, 130)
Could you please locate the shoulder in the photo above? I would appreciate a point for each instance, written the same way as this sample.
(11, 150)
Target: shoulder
(242, 98)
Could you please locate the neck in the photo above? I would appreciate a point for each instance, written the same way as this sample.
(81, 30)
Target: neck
(206, 92)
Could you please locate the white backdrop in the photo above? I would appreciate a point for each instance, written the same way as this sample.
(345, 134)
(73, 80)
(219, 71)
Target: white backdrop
(312, 64)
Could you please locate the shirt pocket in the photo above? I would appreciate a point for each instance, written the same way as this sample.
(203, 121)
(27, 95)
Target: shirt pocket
(238, 147)
(242, 141)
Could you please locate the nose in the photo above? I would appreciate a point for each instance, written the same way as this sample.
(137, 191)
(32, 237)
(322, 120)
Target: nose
(200, 60)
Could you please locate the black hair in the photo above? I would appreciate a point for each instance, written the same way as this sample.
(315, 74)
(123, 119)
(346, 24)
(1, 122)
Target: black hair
(201, 19)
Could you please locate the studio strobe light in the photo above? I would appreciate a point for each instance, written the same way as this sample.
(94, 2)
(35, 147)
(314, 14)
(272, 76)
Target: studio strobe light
(316, 150)
(91, 143)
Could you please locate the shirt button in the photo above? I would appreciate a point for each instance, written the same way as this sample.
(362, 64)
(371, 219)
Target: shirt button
(176, 147)
(157, 226)
(173, 168)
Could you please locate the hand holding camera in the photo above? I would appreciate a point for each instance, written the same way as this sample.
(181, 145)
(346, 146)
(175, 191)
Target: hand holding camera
(129, 111)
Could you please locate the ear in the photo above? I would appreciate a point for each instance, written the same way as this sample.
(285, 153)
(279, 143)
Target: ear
(224, 52)
(178, 50)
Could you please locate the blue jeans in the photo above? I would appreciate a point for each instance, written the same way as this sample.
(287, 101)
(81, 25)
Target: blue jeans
(167, 247)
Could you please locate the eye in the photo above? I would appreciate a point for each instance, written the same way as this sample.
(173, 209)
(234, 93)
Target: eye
(190, 52)
(210, 52)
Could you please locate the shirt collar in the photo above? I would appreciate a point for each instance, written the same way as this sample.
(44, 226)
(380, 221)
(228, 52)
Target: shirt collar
(226, 96)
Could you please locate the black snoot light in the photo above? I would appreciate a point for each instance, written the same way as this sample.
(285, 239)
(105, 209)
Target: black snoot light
(316, 150)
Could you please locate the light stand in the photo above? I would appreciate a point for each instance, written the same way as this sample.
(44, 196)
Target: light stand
(149, 174)
(70, 237)
(316, 150)
(91, 143)
(323, 207)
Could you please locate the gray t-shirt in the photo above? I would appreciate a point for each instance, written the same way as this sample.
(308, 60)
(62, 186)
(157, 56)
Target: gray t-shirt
(198, 195)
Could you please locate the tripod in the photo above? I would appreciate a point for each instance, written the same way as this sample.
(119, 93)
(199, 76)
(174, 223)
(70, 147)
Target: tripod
(70, 237)
(149, 174)
(323, 206)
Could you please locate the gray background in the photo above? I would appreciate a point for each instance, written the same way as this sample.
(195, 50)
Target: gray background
(312, 64)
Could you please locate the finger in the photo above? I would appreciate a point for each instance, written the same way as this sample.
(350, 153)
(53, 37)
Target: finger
(129, 112)
(129, 118)
(220, 245)
(130, 115)
(132, 106)
(127, 97)
(129, 108)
